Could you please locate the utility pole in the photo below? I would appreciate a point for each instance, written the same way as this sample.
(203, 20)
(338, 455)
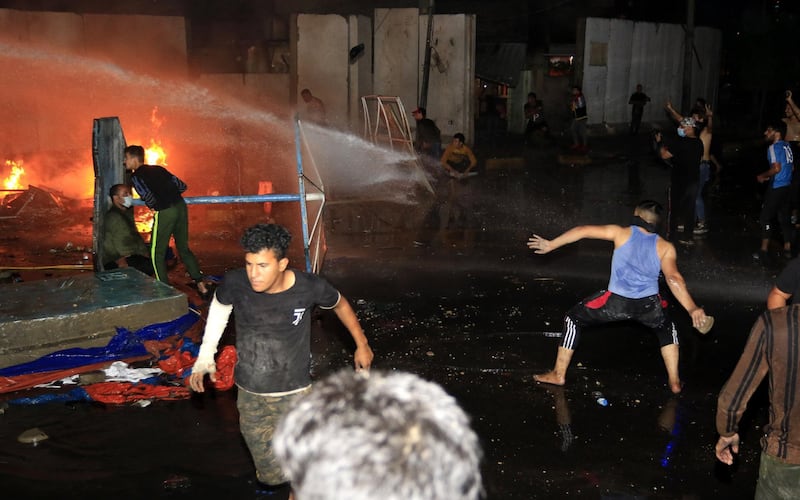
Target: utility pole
(688, 58)
(426, 67)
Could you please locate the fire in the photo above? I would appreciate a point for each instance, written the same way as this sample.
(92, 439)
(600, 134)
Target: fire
(155, 154)
(144, 221)
(13, 180)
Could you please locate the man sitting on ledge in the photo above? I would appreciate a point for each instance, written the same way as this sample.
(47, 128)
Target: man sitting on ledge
(123, 246)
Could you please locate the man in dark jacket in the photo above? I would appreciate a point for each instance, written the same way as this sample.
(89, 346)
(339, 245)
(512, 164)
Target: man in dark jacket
(429, 138)
(161, 191)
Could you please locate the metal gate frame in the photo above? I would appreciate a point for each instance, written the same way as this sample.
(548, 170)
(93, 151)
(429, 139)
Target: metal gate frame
(390, 127)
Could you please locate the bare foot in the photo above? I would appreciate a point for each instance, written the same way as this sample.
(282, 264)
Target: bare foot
(549, 378)
(676, 387)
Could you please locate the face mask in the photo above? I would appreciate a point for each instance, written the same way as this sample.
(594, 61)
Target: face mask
(681, 132)
(638, 221)
(127, 201)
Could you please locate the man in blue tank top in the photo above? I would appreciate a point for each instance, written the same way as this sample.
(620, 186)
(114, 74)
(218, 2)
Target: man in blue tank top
(632, 294)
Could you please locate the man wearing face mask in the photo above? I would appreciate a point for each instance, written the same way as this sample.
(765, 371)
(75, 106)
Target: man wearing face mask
(684, 153)
(123, 246)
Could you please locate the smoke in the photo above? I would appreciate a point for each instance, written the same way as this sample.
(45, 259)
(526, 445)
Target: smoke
(213, 141)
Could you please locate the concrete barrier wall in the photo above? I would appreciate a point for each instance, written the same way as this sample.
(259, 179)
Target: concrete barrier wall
(400, 36)
(322, 64)
(397, 52)
(451, 94)
(648, 53)
(360, 84)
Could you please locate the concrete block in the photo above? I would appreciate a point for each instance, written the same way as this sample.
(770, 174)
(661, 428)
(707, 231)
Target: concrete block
(80, 311)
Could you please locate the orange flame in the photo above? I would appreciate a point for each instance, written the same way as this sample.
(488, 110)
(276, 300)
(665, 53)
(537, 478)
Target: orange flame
(13, 180)
(155, 154)
(144, 221)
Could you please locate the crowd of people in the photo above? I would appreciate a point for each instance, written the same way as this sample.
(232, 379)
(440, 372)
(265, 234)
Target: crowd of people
(407, 438)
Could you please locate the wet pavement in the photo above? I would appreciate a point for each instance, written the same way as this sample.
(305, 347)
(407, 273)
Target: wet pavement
(474, 310)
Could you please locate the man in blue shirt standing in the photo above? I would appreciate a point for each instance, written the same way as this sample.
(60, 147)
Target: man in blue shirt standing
(777, 197)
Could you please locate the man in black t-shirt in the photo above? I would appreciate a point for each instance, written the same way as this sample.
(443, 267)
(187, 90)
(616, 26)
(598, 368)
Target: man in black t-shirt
(684, 153)
(273, 307)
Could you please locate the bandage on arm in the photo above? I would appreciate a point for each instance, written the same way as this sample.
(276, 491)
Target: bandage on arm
(218, 314)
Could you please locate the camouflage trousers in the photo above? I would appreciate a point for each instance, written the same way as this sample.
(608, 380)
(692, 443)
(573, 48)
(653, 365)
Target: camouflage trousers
(258, 416)
(777, 480)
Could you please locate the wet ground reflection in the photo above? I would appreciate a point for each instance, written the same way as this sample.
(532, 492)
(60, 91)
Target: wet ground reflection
(477, 313)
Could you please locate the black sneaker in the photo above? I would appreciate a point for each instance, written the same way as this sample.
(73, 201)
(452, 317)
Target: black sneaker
(686, 241)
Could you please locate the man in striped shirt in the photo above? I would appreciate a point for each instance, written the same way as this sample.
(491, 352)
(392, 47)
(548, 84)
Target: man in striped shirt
(773, 348)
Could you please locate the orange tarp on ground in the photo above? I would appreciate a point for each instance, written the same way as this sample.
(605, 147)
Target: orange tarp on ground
(20, 382)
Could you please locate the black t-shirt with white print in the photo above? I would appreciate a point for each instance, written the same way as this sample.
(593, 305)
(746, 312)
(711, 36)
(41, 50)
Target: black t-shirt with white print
(273, 330)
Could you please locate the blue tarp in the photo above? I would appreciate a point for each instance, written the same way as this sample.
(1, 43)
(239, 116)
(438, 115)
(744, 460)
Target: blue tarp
(76, 394)
(125, 344)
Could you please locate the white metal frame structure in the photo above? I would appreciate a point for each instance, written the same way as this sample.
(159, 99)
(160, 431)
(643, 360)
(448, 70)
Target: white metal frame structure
(386, 124)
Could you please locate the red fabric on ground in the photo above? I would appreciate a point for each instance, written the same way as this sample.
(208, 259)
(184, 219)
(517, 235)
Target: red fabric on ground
(19, 382)
(125, 392)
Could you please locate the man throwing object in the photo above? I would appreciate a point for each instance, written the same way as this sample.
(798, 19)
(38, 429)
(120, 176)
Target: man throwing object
(632, 294)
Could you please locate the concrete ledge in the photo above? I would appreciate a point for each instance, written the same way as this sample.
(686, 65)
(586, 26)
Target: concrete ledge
(80, 311)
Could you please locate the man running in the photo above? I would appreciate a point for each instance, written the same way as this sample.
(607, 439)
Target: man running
(632, 294)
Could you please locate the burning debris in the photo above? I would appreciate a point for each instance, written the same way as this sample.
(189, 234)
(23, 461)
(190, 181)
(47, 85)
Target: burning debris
(21, 198)
(33, 202)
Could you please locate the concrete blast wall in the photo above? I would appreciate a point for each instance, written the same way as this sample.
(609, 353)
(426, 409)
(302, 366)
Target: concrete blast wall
(400, 36)
(397, 56)
(320, 45)
(615, 55)
(452, 73)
